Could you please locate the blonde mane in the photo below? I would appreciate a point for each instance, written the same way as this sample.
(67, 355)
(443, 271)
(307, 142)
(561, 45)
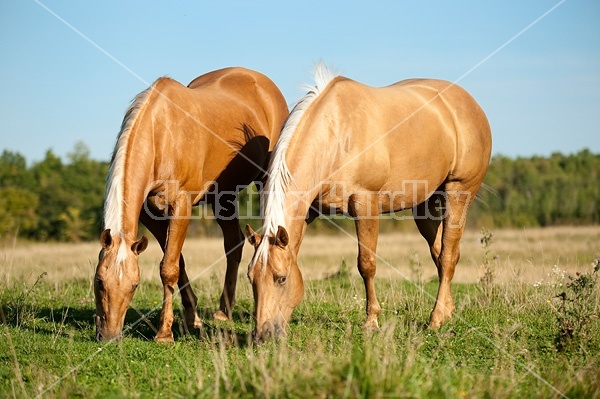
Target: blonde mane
(272, 198)
(115, 180)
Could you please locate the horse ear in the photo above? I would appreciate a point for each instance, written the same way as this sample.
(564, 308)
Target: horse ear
(105, 238)
(140, 245)
(282, 239)
(253, 237)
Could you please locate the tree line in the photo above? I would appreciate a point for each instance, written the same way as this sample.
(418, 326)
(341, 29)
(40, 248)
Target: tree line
(62, 200)
(541, 191)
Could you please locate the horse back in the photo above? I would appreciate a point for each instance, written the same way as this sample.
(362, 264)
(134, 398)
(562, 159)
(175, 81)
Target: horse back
(467, 124)
(204, 132)
(427, 125)
(252, 88)
(417, 130)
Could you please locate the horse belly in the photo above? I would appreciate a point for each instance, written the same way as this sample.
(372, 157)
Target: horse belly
(407, 194)
(415, 177)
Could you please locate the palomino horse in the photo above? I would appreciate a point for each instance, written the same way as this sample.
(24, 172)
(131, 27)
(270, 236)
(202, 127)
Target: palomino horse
(177, 146)
(363, 151)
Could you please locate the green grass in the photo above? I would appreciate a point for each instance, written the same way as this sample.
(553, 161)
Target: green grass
(503, 345)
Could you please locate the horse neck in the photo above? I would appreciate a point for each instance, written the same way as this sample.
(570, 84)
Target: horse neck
(295, 219)
(303, 170)
(309, 172)
(135, 195)
(129, 179)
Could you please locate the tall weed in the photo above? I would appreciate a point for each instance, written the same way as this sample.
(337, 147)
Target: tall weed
(577, 310)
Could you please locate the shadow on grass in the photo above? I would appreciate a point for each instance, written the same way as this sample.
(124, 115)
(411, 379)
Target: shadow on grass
(54, 321)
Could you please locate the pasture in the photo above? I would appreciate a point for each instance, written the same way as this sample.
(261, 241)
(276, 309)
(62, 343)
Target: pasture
(504, 340)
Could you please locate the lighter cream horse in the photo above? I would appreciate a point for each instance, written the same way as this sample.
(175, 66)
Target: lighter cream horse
(177, 146)
(362, 151)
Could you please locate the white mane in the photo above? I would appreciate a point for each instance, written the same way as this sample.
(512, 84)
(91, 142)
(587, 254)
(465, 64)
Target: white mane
(113, 195)
(272, 198)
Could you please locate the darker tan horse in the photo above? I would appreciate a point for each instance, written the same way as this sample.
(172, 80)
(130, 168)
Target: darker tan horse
(178, 146)
(362, 151)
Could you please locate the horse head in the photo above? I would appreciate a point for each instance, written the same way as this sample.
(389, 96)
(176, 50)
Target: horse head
(276, 283)
(117, 277)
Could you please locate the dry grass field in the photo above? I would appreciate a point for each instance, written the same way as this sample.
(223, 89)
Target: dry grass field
(527, 255)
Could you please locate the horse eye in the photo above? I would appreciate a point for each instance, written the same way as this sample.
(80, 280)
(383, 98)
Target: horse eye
(99, 283)
(282, 280)
(134, 287)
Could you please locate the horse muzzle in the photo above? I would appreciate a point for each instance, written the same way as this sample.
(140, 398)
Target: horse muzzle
(103, 335)
(106, 338)
(268, 332)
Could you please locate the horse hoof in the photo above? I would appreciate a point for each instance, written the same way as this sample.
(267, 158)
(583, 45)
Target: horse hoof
(164, 338)
(434, 325)
(220, 316)
(371, 326)
(193, 321)
(197, 323)
(435, 322)
(438, 318)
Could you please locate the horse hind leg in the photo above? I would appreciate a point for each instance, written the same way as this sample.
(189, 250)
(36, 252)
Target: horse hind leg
(233, 240)
(188, 298)
(458, 198)
(242, 170)
(428, 218)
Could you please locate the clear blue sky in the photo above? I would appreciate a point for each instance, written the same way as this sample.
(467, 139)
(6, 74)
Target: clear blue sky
(540, 89)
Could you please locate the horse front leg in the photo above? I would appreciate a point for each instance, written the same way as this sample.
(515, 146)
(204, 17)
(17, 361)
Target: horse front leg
(158, 225)
(179, 219)
(364, 209)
